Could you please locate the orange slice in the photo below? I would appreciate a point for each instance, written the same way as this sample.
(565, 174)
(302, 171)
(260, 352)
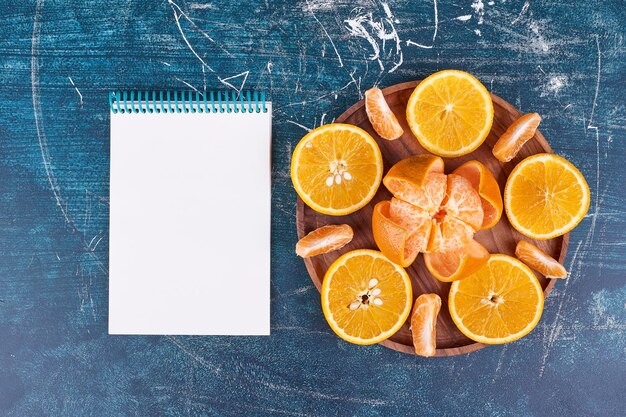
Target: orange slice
(450, 113)
(324, 239)
(538, 260)
(380, 115)
(485, 183)
(499, 303)
(456, 265)
(424, 322)
(516, 136)
(336, 169)
(366, 298)
(418, 180)
(545, 196)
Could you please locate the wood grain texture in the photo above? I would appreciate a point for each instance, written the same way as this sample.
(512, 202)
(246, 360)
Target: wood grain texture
(314, 58)
(502, 238)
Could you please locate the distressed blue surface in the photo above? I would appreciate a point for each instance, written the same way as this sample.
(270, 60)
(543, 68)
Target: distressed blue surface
(59, 59)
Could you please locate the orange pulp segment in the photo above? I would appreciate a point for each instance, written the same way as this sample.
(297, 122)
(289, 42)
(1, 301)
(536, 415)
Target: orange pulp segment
(324, 239)
(380, 115)
(336, 169)
(516, 136)
(485, 183)
(538, 260)
(424, 324)
(366, 298)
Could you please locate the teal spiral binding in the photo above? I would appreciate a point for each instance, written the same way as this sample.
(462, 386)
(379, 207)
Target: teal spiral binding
(159, 101)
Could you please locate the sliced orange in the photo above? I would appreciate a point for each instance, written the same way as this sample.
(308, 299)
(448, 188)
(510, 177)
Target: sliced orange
(366, 298)
(450, 113)
(424, 324)
(488, 189)
(336, 169)
(456, 265)
(516, 136)
(324, 239)
(418, 180)
(545, 196)
(380, 115)
(499, 303)
(538, 260)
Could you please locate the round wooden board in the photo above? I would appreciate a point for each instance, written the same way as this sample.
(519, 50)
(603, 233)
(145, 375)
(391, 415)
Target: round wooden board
(500, 239)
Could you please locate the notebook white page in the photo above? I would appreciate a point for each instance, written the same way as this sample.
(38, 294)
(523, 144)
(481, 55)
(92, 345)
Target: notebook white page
(190, 223)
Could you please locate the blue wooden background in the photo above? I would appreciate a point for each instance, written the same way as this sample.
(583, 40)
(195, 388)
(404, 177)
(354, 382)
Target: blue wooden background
(58, 59)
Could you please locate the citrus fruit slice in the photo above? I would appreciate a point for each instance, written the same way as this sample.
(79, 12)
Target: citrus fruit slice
(485, 183)
(545, 196)
(324, 239)
(380, 115)
(450, 113)
(336, 169)
(424, 324)
(418, 180)
(366, 298)
(516, 136)
(458, 264)
(538, 260)
(499, 303)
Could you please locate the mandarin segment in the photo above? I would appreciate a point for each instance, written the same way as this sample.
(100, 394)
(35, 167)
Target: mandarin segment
(463, 202)
(424, 324)
(324, 239)
(391, 238)
(380, 115)
(365, 297)
(538, 260)
(450, 113)
(514, 138)
(485, 183)
(336, 169)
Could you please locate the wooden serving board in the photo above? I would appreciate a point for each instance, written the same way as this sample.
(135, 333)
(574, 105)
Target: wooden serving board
(502, 238)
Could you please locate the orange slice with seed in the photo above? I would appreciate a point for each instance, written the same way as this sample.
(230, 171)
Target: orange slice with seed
(424, 324)
(384, 122)
(457, 264)
(514, 138)
(324, 239)
(538, 260)
(485, 183)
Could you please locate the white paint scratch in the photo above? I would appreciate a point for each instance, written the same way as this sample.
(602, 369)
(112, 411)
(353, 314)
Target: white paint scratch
(522, 12)
(310, 9)
(464, 18)
(187, 84)
(77, 90)
(479, 9)
(193, 51)
(436, 13)
(228, 81)
(308, 129)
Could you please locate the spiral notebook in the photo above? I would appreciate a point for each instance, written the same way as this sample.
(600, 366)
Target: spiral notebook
(189, 213)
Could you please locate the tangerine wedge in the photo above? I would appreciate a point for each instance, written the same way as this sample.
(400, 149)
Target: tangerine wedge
(384, 122)
(324, 239)
(485, 183)
(538, 260)
(424, 324)
(514, 138)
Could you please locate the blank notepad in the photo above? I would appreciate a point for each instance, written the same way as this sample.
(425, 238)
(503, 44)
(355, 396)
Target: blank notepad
(189, 215)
